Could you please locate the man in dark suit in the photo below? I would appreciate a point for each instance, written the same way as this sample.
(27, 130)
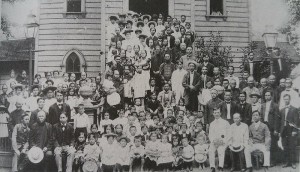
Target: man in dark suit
(228, 107)
(58, 108)
(33, 116)
(63, 135)
(289, 123)
(204, 77)
(245, 109)
(215, 102)
(206, 63)
(270, 116)
(191, 83)
(170, 38)
(152, 36)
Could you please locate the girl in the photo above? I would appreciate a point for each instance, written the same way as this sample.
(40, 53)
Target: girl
(149, 122)
(151, 152)
(138, 105)
(4, 117)
(198, 130)
(92, 152)
(181, 105)
(108, 129)
(201, 150)
(166, 158)
(109, 153)
(79, 155)
(177, 154)
(123, 160)
(94, 130)
(184, 132)
(72, 100)
(119, 130)
(121, 119)
(106, 121)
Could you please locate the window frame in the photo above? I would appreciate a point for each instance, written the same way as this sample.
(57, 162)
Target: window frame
(208, 14)
(82, 13)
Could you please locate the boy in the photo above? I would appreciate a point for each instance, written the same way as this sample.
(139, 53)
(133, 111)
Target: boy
(81, 122)
(187, 154)
(137, 153)
(109, 153)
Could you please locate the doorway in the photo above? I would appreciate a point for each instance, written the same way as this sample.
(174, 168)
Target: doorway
(149, 6)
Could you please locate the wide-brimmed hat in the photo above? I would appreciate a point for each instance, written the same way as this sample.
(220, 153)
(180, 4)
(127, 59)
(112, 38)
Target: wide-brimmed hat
(90, 166)
(255, 93)
(136, 15)
(124, 137)
(138, 30)
(122, 15)
(193, 62)
(236, 148)
(122, 23)
(146, 16)
(140, 23)
(35, 155)
(45, 91)
(2, 107)
(18, 85)
(130, 13)
(113, 17)
(142, 36)
(130, 21)
(200, 158)
(152, 22)
(127, 31)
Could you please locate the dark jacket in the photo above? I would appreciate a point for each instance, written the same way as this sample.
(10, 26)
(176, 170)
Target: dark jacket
(210, 69)
(196, 83)
(233, 110)
(273, 117)
(55, 111)
(62, 138)
(261, 134)
(41, 135)
(246, 112)
(172, 40)
(292, 117)
(33, 117)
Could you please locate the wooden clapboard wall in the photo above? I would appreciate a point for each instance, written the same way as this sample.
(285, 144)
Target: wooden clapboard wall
(234, 29)
(59, 33)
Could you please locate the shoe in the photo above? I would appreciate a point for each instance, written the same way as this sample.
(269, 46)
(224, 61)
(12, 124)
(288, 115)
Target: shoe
(232, 169)
(294, 166)
(266, 168)
(287, 165)
(220, 168)
(250, 169)
(213, 169)
(273, 164)
(243, 170)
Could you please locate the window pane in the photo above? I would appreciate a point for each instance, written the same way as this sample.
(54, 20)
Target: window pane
(216, 7)
(73, 5)
(73, 63)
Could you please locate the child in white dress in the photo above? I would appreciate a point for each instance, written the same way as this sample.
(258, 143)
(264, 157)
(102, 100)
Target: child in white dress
(106, 121)
(201, 151)
(166, 158)
(123, 160)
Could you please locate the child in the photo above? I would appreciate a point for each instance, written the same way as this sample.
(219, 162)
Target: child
(201, 150)
(177, 154)
(123, 161)
(119, 130)
(152, 152)
(138, 105)
(153, 105)
(184, 132)
(121, 119)
(109, 153)
(94, 130)
(187, 154)
(92, 151)
(108, 129)
(139, 84)
(104, 122)
(79, 156)
(132, 122)
(181, 105)
(198, 130)
(137, 153)
(166, 158)
(20, 142)
(149, 122)
(170, 119)
(132, 131)
(81, 121)
(72, 100)
(145, 135)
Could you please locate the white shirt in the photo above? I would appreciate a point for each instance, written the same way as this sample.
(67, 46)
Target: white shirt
(268, 104)
(228, 110)
(191, 78)
(285, 115)
(256, 124)
(218, 129)
(119, 120)
(239, 135)
(176, 79)
(82, 121)
(294, 98)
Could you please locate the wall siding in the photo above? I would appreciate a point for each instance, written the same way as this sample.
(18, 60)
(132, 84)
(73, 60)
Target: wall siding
(59, 33)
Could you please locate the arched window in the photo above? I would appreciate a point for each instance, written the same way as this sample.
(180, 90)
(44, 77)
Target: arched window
(73, 63)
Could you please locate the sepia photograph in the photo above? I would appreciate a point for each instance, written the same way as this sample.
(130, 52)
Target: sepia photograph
(150, 86)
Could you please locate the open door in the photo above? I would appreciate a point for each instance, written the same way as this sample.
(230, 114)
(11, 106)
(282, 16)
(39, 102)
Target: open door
(149, 6)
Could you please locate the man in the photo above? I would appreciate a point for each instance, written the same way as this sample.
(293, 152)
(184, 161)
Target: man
(191, 83)
(16, 115)
(235, 92)
(239, 136)
(63, 135)
(186, 59)
(260, 138)
(245, 109)
(176, 33)
(215, 102)
(170, 38)
(217, 74)
(206, 63)
(230, 76)
(280, 88)
(228, 107)
(204, 77)
(250, 89)
(256, 105)
(218, 136)
(31, 102)
(4, 96)
(182, 20)
(273, 87)
(152, 36)
(166, 69)
(41, 136)
(263, 88)
(289, 124)
(177, 77)
(293, 94)
(244, 83)
(49, 98)
(117, 36)
(225, 84)
(57, 108)
(270, 116)
(181, 53)
(33, 116)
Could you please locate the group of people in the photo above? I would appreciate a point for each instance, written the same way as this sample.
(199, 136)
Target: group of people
(158, 107)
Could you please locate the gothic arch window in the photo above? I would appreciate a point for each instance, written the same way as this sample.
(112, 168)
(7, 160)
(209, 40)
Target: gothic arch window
(73, 63)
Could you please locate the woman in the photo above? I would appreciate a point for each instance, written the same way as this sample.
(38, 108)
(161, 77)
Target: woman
(11, 79)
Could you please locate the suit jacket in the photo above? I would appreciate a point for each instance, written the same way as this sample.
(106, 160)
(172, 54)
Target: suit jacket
(172, 40)
(203, 83)
(246, 112)
(261, 134)
(233, 110)
(210, 69)
(63, 138)
(196, 83)
(292, 117)
(273, 117)
(154, 38)
(55, 111)
(33, 117)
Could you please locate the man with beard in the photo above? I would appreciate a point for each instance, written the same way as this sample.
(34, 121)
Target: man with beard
(186, 59)
(33, 117)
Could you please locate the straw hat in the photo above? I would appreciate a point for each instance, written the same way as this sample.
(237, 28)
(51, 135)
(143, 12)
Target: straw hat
(90, 166)
(35, 155)
(200, 158)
